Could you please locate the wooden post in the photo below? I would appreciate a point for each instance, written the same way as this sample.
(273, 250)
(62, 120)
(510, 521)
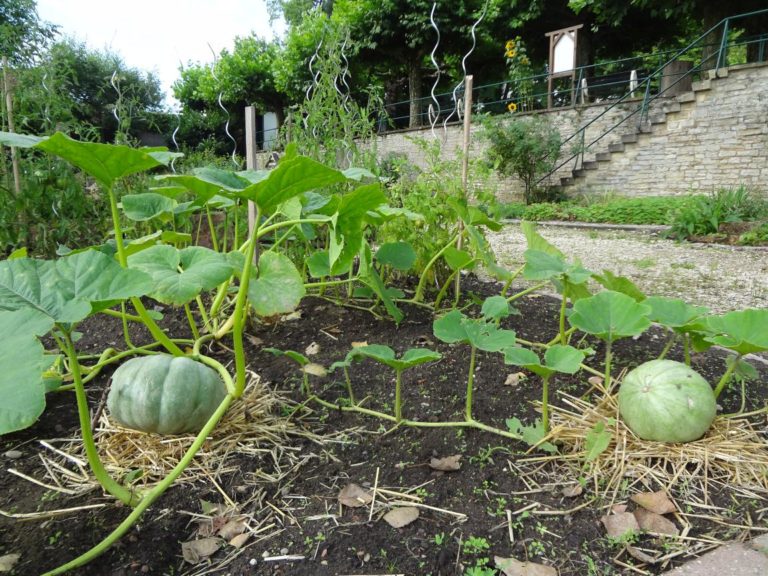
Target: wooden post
(8, 89)
(250, 159)
(468, 84)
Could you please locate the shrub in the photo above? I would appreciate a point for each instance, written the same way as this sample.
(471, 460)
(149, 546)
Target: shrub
(705, 214)
(526, 147)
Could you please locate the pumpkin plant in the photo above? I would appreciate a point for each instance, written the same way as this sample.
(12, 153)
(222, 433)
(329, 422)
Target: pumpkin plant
(610, 315)
(410, 358)
(557, 358)
(39, 297)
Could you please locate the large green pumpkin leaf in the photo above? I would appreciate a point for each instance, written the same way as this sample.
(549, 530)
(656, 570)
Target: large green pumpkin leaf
(202, 189)
(744, 332)
(347, 236)
(673, 312)
(181, 275)
(105, 162)
(536, 241)
(292, 177)
(22, 363)
(279, 287)
(143, 207)
(558, 358)
(399, 255)
(610, 315)
(622, 284)
(67, 290)
(450, 329)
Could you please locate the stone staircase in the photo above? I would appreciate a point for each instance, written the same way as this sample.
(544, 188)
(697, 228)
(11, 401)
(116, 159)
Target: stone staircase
(666, 115)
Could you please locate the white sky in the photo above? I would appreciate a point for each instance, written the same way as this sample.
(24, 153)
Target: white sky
(158, 35)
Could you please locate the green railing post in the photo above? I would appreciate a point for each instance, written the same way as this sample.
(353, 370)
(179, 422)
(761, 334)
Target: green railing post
(721, 54)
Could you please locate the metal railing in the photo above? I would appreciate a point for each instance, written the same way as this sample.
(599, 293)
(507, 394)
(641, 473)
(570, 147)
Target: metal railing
(653, 88)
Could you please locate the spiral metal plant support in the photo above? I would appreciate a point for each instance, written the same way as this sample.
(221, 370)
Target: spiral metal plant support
(116, 85)
(224, 108)
(434, 107)
(315, 80)
(175, 142)
(459, 101)
(342, 79)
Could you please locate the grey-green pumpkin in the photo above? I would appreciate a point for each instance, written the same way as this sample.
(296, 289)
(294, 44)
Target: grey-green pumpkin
(164, 394)
(667, 401)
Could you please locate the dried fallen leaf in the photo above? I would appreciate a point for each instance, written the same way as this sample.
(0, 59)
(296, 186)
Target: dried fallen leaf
(314, 369)
(195, 551)
(657, 502)
(232, 529)
(292, 316)
(254, 340)
(595, 380)
(514, 379)
(359, 344)
(618, 508)
(8, 561)
(400, 517)
(447, 464)
(354, 496)
(638, 554)
(572, 491)
(656, 523)
(239, 540)
(620, 525)
(312, 349)
(513, 567)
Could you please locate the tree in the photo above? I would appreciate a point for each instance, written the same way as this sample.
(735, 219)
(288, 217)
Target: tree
(247, 76)
(71, 89)
(23, 36)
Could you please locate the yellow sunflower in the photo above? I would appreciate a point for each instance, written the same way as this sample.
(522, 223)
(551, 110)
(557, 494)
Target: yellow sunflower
(512, 107)
(510, 53)
(509, 45)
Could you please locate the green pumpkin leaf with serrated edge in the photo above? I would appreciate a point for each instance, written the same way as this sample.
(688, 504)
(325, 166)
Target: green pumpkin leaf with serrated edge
(319, 264)
(622, 284)
(610, 315)
(744, 332)
(179, 276)
(673, 312)
(459, 259)
(386, 355)
(143, 207)
(22, 363)
(536, 241)
(398, 255)
(496, 308)
(107, 163)
(450, 329)
(279, 287)
(69, 289)
(292, 177)
(558, 358)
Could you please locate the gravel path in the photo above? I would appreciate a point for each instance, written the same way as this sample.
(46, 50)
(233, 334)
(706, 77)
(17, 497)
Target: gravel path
(721, 277)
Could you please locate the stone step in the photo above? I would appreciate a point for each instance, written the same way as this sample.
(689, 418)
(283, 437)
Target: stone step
(671, 107)
(603, 157)
(719, 73)
(629, 138)
(701, 85)
(589, 165)
(566, 181)
(645, 129)
(616, 147)
(578, 173)
(657, 119)
(686, 97)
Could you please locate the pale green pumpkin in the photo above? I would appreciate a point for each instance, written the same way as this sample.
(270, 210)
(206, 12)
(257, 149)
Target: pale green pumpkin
(666, 401)
(164, 394)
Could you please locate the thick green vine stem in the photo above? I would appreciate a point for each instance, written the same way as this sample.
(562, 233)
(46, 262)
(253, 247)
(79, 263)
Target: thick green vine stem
(727, 376)
(419, 423)
(108, 483)
(238, 318)
(146, 319)
(470, 382)
(150, 496)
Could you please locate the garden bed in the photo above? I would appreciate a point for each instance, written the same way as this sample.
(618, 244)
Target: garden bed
(280, 481)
